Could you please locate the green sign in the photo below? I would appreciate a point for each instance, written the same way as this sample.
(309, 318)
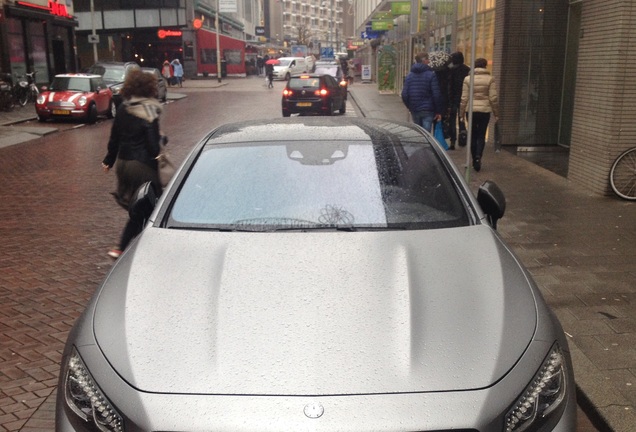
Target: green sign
(381, 25)
(401, 8)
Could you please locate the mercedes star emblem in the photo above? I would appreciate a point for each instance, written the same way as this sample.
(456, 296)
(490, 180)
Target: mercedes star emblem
(314, 410)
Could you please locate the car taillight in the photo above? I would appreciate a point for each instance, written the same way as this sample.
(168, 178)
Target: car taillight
(321, 92)
(287, 92)
(343, 83)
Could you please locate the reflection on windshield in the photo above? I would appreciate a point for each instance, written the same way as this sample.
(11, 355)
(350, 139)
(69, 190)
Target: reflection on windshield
(316, 185)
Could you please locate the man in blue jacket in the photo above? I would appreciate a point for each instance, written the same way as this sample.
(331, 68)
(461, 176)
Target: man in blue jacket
(422, 94)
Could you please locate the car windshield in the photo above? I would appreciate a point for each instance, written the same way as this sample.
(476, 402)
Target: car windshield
(70, 84)
(284, 62)
(322, 185)
(304, 83)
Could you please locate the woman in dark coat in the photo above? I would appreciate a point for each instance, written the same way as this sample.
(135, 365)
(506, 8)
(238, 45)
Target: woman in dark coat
(134, 145)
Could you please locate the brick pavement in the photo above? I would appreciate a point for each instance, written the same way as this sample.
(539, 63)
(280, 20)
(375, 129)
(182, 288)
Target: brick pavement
(580, 248)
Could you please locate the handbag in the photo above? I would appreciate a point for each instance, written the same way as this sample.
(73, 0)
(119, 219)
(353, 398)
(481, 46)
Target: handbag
(439, 134)
(463, 135)
(164, 164)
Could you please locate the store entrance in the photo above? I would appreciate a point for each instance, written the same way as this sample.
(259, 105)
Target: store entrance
(151, 51)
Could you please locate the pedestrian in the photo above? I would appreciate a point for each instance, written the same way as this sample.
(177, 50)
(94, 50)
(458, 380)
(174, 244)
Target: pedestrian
(351, 72)
(167, 72)
(269, 72)
(134, 145)
(458, 71)
(485, 101)
(422, 94)
(177, 70)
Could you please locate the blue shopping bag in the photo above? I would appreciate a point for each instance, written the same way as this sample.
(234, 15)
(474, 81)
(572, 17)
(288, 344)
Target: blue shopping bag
(439, 134)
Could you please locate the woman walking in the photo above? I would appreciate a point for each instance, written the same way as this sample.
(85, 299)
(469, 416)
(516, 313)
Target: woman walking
(485, 101)
(134, 145)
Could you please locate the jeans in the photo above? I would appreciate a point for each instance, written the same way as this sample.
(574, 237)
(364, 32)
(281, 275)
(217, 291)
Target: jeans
(424, 119)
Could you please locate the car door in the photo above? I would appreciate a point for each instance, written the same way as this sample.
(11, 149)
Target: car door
(334, 90)
(102, 96)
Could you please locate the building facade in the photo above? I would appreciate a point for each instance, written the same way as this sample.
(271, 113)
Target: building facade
(152, 31)
(316, 23)
(563, 68)
(37, 36)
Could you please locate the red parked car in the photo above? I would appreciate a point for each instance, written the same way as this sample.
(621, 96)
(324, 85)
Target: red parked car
(75, 96)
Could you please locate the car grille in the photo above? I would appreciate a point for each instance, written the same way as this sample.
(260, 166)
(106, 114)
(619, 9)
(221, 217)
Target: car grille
(63, 105)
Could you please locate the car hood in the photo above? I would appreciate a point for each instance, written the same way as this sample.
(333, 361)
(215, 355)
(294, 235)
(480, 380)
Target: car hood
(315, 313)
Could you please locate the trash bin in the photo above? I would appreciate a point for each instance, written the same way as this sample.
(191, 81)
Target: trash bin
(223, 68)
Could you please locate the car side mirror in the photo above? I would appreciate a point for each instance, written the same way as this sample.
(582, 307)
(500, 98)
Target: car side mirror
(142, 203)
(492, 202)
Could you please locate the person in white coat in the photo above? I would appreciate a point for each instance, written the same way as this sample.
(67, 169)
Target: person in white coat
(485, 102)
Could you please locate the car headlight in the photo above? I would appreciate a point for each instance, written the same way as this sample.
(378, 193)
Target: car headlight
(85, 399)
(40, 100)
(116, 89)
(82, 101)
(542, 397)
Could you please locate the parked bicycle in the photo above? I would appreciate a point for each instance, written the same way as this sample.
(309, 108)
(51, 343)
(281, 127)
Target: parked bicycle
(26, 91)
(623, 175)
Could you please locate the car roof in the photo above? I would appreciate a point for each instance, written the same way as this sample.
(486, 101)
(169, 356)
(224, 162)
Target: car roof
(309, 75)
(77, 75)
(297, 128)
(113, 63)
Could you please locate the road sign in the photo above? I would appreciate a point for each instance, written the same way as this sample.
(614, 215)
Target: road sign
(326, 52)
(93, 39)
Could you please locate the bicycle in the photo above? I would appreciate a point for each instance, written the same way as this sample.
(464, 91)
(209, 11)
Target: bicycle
(623, 175)
(27, 91)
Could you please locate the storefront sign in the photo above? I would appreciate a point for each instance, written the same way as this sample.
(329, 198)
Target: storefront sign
(366, 72)
(162, 34)
(53, 7)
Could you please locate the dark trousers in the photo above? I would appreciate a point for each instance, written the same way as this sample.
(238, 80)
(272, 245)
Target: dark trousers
(453, 123)
(131, 230)
(478, 135)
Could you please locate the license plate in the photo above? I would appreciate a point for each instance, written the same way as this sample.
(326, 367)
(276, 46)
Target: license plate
(61, 112)
(303, 104)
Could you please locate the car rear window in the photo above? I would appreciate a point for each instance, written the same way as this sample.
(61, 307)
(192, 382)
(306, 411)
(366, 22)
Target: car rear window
(318, 185)
(304, 83)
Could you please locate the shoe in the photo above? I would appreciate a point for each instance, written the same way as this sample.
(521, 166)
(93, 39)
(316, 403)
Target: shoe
(477, 164)
(452, 147)
(114, 253)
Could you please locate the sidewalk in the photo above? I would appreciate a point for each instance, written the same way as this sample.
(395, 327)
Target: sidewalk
(581, 250)
(579, 247)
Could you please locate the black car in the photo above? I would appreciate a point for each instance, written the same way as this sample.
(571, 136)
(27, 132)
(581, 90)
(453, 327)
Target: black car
(114, 74)
(162, 84)
(313, 94)
(334, 69)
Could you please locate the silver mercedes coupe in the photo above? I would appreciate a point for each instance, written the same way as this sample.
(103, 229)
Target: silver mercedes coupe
(317, 274)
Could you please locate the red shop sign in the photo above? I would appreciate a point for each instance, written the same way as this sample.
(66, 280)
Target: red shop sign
(53, 7)
(168, 33)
